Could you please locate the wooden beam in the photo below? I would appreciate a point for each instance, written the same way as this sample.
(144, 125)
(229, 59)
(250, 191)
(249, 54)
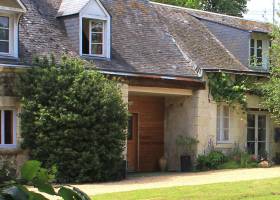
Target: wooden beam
(159, 91)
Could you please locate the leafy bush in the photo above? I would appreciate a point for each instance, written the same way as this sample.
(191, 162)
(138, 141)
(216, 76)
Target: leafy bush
(232, 164)
(33, 174)
(217, 160)
(240, 159)
(211, 161)
(7, 170)
(74, 118)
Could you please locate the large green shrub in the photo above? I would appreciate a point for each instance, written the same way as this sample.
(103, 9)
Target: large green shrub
(73, 118)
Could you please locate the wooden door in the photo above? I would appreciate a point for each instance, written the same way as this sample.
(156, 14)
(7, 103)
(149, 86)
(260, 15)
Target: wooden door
(132, 143)
(151, 130)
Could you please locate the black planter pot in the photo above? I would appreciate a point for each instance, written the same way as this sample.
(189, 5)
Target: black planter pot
(124, 169)
(186, 163)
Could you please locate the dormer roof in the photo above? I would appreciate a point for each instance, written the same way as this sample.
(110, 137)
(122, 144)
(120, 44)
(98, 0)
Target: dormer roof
(12, 6)
(70, 7)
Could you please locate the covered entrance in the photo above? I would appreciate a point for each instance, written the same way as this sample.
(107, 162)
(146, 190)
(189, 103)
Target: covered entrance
(159, 110)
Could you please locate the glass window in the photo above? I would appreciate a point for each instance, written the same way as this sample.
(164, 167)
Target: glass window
(4, 34)
(97, 35)
(7, 127)
(223, 118)
(256, 53)
(130, 128)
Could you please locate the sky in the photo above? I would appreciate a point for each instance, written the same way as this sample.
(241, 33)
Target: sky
(262, 10)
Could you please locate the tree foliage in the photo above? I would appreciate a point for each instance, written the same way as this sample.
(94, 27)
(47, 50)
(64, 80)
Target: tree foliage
(271, 88)
(224, 88)
(229, 7)
(73, 118)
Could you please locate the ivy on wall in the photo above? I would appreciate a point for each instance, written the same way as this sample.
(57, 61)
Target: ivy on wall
(231, 90)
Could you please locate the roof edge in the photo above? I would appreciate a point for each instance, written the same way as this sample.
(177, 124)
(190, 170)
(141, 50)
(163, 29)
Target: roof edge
(213, 13)
(139, 74)
(249, 72)
(203, 11)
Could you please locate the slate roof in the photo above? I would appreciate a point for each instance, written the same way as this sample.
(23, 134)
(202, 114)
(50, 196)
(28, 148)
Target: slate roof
(236, 22)
(196, 40)
(146, 38)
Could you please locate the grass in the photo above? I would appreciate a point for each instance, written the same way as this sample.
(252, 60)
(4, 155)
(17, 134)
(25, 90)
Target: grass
(268, 189)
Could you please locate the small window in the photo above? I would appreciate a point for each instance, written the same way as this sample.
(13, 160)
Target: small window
(4, 34)
(223, 118)
(130, 128)
(259, 53)
(8, 132)
(93, 37)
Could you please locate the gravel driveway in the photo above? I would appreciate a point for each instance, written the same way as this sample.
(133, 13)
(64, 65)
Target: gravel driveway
(161, 180)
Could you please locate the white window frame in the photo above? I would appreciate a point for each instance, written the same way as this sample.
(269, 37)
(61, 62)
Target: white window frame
(265, 53)
(3, 145)
(258, 65)
(107, 31)
(268, 130)
(220, 131)
(103, 38)
(13, 34)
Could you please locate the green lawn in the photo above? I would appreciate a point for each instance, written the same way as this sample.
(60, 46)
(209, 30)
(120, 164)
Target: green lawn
(268, 189)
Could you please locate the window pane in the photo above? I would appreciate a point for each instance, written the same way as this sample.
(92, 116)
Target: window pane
(4, 22)
(259, 61)
(0, 128)
(252, 52)
(226, 134)
(259, 44)
(261, 149)
(252, 43)
(4, 47)
(97, 26)
(262, 127)
(130, 128)
(4, 34)
(226, 123)
(8, 126)
(262, 121)
(250, 134)
(97, 49)
(226, 111)
(259, 53)
(251, 147)
(251, 121)
(97, 38)
(218, 123)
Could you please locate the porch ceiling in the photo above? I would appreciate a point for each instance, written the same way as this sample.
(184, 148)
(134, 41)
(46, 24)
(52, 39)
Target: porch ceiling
(159, 91)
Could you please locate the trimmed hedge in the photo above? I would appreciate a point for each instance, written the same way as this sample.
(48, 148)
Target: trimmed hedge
(73, 118)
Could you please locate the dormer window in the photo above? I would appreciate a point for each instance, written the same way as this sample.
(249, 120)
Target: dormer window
(259, 52)
(88, 26)
(4, 34)
(10, 12)
(94, 37)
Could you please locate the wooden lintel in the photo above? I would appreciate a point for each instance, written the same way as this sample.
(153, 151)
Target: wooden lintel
(160, 91)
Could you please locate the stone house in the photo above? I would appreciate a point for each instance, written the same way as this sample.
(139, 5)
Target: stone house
(163, 53)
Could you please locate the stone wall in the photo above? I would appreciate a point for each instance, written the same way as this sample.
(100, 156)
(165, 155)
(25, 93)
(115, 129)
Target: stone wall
(179, 112)
(205, 120)
(8, 100)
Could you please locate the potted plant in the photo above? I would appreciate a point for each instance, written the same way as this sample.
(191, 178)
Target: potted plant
(186, 144)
